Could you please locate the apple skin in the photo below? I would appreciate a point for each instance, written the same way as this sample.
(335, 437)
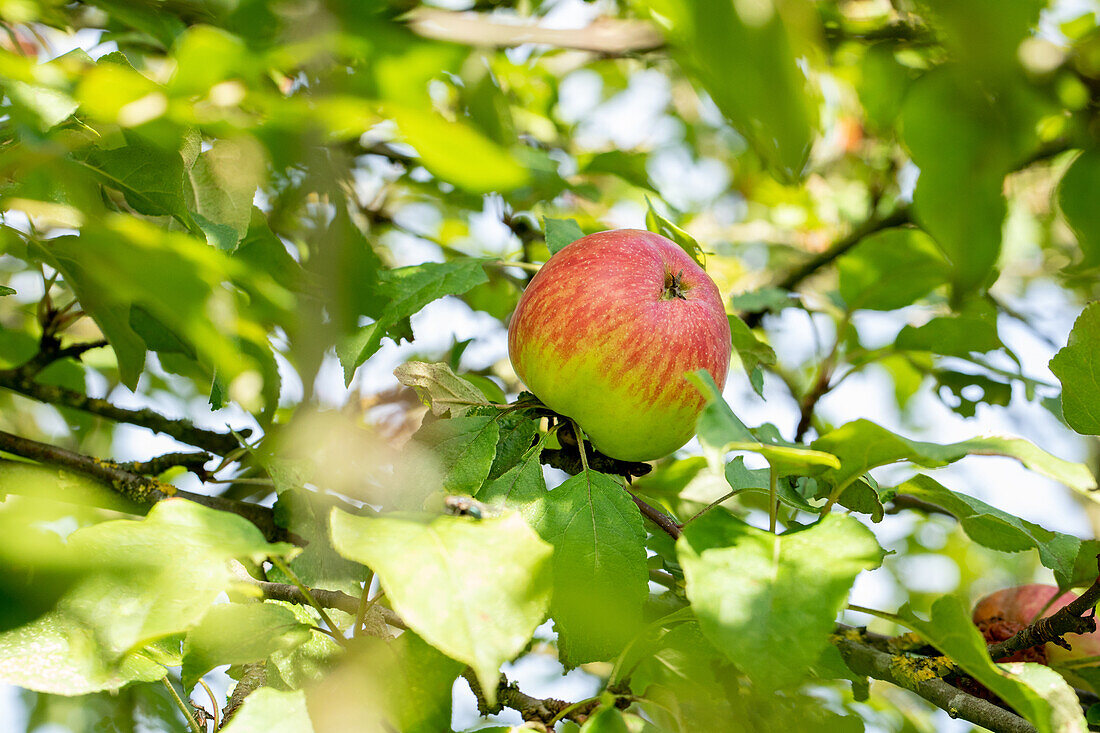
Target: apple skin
(601, 336)
(1003, 613)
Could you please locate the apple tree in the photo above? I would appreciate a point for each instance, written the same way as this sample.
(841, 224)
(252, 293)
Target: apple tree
(265, 464)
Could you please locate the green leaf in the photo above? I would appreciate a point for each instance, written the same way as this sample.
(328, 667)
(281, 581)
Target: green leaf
(522, 487)
(600, 573)
(388, 685)
(53, 484)
(753, 352)
(757, 480)
(1077, 198)
(990, 527)
(608, 719)
(1078, 369)
(741, 54)
(307, 663)
(57, 654)
(993, 53)
(270, 711)
(862, 445)
(960, 141)
(5, 290)
(717, 424)
(233, 633)
(764, 299)
(560, 232)
(407, 290)
(223, 182)
(49, 107)
(890, 269)
(465, 446)
(952, 632)
(147, 174)
(160, 574)
(456, 153)
(750, 589)
(439, 388)
(517, 434)
(974, 330)
(475, 590)
(658, 224)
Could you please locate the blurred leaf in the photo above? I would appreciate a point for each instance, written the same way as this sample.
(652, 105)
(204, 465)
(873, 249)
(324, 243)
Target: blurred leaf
(952, 632)
(439, 388)
(560, 232)
(58, 655)
(456, 153)
(465, 446)
(49, 107)
(600, 573)
(233, 633)
(308, 662)
(974, 330)
(407, 290)
(475, 590)
(205, 56)
(608, 719)
(961, 141)
(883, 85)
(5, 290)
(993, 53)
(271, 711)
(402, 684)
(658, 224)
(999, 530)
(750, 588)
(1077, 198)
(890, 269)
(160, 574)
(1078, 369)
(764, 299)
(993, 392)
(223, 182)
(753, 352)
(741, 54)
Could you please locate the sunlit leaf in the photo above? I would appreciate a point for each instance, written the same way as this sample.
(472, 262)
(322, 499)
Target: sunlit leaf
(1078, 369)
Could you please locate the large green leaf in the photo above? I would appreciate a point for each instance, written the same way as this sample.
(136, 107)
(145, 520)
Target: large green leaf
(972, 330)
(769, 602)
(223, 182)
(465, 446)
(271, 711)
(522, 487)
(890, 269)
(159, 575)
(1077, 367)
(600, 573)
(952, 632)
(862, 445)
(741, 54)
(999, 530)
(1077, 197)
(459, 154)
(58, 655)
(234, 633)
(475, 590)
(406, 290)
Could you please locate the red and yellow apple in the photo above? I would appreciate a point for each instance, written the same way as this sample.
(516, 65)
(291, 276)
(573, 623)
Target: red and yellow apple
(1000, 615)
(606, 332)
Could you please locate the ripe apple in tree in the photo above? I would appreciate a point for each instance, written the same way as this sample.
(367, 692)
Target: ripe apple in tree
(1000, 615)
(606, 332)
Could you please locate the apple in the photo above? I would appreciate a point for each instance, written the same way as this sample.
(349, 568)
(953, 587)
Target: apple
(606, 332)
(1000, 615)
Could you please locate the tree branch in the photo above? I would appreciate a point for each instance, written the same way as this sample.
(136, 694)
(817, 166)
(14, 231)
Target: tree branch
(1069, 619)
(157, 465)
(669, 525)
(795, 277)
(866, 660)
(182, 430)
(140, 489)
(254, 677)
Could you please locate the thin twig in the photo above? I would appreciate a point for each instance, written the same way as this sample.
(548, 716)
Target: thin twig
(157, 465)
(713, 504)
(279, 563)
(191, 722)
(213, 703)
(671, 527)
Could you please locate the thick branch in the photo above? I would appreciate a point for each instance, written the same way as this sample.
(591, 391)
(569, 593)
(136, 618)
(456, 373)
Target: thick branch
(254, 677)
(140, 489)
(182, 430)
(608, 36)
(157, 465)
(533, 709)
(1069, 619)
(866, 660)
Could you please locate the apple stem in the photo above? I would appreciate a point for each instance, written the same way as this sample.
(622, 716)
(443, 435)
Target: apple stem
(674, 287)
(580, 444)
